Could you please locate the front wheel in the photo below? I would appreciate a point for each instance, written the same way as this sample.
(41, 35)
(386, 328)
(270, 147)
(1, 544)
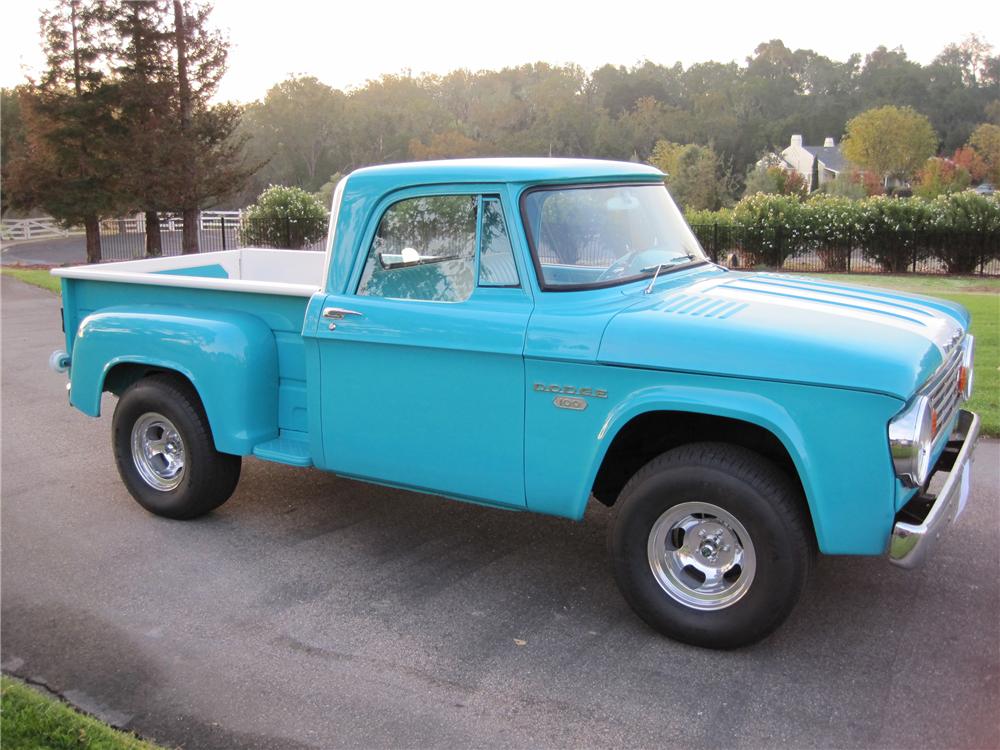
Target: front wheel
(711, 545)
(165, 453)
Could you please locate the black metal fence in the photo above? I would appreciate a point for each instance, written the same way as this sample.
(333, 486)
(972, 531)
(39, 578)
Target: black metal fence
(926, 251)
(125, 239)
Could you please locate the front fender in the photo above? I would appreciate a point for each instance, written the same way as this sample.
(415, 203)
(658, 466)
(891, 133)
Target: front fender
(835, 437)
(230, 358)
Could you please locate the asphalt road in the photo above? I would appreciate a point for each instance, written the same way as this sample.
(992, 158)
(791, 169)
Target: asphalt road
(54, 251)
(312, 611)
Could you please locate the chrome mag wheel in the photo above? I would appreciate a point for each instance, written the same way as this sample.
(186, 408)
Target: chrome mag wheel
(701, 555)
(158, 451)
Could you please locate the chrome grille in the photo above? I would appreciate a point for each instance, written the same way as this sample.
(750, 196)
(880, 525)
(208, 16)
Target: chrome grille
(942, 389)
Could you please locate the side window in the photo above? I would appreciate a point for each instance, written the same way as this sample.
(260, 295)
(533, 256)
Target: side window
(424, 249)
(496, 257)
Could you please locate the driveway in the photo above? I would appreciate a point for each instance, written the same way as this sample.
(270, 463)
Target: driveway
(55, 251)
(312, 611)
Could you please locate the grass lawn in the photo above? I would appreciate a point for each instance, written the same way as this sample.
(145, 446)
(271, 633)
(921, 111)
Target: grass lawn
(35, 276)
(32, 721)
(981, 296)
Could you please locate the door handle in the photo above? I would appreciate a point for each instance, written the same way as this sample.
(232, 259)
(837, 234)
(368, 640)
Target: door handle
(337, 313)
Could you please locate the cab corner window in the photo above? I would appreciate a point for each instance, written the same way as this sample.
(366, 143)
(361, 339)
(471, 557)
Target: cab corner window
(424, 249)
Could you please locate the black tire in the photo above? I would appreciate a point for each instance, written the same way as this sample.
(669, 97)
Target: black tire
(746, 487)
(206, 478)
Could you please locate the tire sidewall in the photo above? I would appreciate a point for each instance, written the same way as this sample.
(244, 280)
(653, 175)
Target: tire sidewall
(143, 398)
(780, 563)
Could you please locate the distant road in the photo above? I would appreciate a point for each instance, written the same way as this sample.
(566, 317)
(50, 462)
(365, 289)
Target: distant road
(49, 252)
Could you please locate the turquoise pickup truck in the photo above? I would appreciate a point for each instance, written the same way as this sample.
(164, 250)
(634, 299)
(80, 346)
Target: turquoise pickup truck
(530, 334)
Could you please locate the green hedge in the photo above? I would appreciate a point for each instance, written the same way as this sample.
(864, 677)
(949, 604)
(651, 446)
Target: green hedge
(961, 229)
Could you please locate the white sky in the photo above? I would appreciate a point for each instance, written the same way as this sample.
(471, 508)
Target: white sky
(345, 44)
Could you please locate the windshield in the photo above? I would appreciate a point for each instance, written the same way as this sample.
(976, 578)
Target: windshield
(604, 235)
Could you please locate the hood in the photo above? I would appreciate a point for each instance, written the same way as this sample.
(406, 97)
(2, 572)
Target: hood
(776, 327)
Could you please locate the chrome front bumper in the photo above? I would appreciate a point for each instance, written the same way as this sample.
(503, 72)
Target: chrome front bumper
(920, 522)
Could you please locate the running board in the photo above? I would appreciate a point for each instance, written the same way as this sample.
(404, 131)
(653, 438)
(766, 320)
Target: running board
(284, 450)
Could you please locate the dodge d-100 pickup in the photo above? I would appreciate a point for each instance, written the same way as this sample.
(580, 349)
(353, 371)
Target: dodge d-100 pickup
(529, 334)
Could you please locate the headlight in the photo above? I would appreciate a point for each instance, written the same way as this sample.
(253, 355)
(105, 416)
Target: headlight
(911, 435)
(965, 369)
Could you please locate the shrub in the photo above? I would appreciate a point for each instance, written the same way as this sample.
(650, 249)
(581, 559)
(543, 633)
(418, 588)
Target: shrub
(888, 229)
(968, 230)
(723, 217)
(286, 217)
(771, 226)
(830, 227)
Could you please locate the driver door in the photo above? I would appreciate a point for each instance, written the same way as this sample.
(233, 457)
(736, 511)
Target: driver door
(422, 367)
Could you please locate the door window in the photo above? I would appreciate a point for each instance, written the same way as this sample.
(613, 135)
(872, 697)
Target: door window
(424, 249)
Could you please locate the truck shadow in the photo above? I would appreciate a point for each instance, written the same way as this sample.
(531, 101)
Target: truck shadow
(405, 559)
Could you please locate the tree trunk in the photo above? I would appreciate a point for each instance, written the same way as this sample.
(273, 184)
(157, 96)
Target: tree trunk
(189, 240)
(93, 226)
(154, 242)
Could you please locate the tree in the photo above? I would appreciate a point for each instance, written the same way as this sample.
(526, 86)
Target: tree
(890, 141)
(941, 176)
(971, 56)
(147, 81)
(300, 131)
(776, 181)
(69, 165)
(970, 160)
(448, 145)
(205, 153)
(986, 141)
(12, 138)
(694, 175)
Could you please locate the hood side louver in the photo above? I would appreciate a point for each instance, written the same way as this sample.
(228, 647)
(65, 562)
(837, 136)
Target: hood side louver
(699, 305)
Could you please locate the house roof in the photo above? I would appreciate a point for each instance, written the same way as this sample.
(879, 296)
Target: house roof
(830, 157)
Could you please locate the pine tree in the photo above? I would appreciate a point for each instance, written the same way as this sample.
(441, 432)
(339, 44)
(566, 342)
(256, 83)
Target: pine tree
(147, 80)
(206, 154)
(69, 165)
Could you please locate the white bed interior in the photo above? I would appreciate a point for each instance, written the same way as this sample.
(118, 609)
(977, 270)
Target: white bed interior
(295, 272)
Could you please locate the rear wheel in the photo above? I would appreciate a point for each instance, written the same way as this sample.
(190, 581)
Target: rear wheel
(165, 453)
(710, 545)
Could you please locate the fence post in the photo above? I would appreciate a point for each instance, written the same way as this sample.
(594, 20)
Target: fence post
(222, 223)
(715, 242)
(288, 233)
(778, 244)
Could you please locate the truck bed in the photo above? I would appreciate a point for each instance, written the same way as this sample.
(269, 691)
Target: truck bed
(296, 273)
(272, 285)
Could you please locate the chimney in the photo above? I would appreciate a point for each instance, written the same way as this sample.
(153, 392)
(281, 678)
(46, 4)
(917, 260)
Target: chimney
(828, 143)
(797, 141)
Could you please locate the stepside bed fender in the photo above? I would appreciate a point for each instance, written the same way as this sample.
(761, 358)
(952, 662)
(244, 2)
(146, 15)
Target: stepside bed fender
(230, 358)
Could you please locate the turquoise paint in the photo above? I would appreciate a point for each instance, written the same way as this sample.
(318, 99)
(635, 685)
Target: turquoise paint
(440, 397)
(229, 357)
(852, 510)
(213, 271)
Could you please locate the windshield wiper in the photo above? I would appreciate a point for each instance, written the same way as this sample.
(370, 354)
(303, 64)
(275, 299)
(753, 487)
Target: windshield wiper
(673, 262)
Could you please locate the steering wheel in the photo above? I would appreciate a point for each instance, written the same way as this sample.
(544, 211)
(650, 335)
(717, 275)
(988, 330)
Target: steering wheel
(631, 263)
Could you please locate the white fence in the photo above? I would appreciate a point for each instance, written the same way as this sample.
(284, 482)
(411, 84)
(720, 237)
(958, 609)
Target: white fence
(45, 227)
(33, 229)
(169, 222)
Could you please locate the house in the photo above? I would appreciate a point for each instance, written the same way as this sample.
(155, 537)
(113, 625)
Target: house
(817, 164)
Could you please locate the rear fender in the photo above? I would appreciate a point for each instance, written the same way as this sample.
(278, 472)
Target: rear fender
(229, 357)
